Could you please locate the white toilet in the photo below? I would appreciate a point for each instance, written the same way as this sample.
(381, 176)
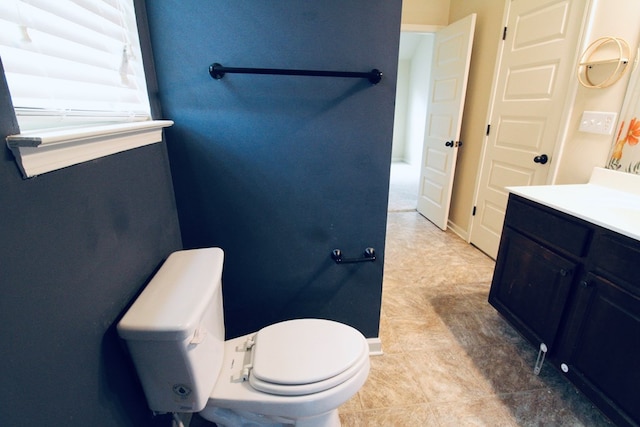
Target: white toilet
(295, 372)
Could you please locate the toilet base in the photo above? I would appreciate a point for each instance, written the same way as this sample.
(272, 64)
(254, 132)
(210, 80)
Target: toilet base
(228, 418)
(330, 419)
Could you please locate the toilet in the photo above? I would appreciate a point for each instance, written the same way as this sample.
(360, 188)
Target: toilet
(292, 373)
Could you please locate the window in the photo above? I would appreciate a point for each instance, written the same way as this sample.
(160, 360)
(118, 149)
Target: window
(76, 77)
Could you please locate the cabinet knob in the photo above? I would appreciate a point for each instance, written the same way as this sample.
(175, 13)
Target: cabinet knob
(563, 272)
(564, 367)
(585, 284)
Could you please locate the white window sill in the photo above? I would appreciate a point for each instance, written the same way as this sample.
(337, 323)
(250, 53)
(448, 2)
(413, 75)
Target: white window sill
(38, 152)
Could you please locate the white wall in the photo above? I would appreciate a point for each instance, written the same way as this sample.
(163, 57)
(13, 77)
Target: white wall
(418, 98)
(582, 151)
(400, 117)
(414, 72)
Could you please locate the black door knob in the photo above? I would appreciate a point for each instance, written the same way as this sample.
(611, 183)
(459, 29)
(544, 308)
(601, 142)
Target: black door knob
(449, 143)
(542, 159)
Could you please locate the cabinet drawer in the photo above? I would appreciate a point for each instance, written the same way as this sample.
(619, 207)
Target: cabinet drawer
(553, 229)
(617, 258)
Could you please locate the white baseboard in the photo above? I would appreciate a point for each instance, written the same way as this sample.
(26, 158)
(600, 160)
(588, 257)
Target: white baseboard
(375, 346)
(464, 234)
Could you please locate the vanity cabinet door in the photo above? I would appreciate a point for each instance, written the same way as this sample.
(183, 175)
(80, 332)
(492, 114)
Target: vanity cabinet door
(531, 286)
(603, 345)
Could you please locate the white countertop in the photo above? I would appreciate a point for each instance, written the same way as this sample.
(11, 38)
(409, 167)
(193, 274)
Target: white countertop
(611, 200)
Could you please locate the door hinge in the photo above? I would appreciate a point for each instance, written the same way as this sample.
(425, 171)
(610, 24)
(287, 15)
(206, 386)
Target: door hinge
(488, 129)
(504, 33)
(474, 211)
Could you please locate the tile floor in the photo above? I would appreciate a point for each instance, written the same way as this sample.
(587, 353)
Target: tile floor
(449, 358)
(403, 187)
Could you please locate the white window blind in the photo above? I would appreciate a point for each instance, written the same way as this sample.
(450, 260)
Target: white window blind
(70, 62)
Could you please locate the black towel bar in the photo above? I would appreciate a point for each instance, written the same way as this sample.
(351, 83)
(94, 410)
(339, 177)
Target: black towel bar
(217, 71)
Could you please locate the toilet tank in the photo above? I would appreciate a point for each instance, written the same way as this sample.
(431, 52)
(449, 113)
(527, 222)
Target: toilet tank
(175, 331)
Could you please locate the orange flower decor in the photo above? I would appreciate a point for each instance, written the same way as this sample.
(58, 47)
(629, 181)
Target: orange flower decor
(633, 134)
(631, 137)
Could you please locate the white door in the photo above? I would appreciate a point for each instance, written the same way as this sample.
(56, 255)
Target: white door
(529, 100)
(447, 90)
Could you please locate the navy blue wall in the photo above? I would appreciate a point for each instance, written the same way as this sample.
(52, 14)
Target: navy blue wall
(277, 170)
(76, 247)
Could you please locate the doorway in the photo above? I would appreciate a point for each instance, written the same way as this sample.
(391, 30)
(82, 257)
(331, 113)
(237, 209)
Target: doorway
(414, 71)
(433, 72)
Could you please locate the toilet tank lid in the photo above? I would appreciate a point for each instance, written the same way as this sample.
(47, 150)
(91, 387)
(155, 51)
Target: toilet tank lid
(172, 304)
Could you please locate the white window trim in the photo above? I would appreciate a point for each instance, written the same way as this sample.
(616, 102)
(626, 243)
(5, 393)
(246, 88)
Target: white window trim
(42, 151)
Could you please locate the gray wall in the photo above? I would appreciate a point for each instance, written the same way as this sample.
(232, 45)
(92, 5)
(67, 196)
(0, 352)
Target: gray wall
(76, 247)
(277, 170)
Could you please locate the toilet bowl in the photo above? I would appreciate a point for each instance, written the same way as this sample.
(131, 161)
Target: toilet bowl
(295, 372)
(306, 369)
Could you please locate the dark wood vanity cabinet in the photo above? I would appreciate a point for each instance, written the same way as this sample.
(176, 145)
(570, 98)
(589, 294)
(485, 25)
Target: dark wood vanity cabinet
(574, 287)
(531, 287)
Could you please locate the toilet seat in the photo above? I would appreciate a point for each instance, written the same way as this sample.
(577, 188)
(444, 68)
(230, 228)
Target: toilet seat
(305, 356)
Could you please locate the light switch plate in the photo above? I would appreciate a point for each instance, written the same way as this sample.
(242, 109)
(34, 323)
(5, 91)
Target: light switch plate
(600, 122)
